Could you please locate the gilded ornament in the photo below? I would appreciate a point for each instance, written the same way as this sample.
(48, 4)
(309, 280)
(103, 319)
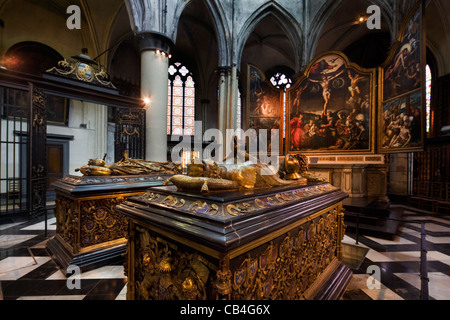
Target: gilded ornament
(279, 198)
(164, 265)
(170, 201)
(223, 282)
(84, 69)
(261, 204)
(153, 196)
(281, 269)
(232, 209)
(214, 209)
(188, 284)
(198, 206)
(236, 209)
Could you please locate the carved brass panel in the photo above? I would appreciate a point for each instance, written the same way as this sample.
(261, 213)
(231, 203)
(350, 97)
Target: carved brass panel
(87, 223)
(66, 215)
(281, 268)
(99, 222)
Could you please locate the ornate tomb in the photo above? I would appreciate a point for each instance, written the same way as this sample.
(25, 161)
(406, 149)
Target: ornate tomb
(282, 242)
(89, 232)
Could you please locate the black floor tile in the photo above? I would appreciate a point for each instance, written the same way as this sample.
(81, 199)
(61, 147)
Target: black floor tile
(86, 286)
(42, 272)
(109, 287)
(357, 294)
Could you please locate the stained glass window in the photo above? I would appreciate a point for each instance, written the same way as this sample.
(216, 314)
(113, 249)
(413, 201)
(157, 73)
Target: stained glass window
(281, 81)
(181, 102)
(428, 78)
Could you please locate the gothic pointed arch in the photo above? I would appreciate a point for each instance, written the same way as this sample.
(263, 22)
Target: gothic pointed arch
(288, 23)
(222, 29)
(329, 15)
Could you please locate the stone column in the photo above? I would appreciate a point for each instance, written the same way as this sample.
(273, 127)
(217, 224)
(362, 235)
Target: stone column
(205, 105)
(221, 115)
(232, 111)
(101, 127)
(155, 49)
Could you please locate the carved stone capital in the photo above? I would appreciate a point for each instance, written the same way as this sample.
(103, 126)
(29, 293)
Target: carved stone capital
(154, 41)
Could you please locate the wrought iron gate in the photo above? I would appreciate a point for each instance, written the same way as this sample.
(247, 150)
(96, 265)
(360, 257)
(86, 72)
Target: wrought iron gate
(37, 166)
(23, 163)
(130, 133)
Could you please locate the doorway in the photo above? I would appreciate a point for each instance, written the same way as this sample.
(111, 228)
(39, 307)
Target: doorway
(57, 161)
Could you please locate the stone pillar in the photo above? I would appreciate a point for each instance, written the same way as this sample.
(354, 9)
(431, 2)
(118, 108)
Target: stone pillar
(232, 105)
(228, 97)
(205, 105)
(221, 115)
(155, 49)
(101, 127)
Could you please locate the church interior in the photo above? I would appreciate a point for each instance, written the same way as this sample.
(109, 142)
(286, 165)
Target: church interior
(118, 119)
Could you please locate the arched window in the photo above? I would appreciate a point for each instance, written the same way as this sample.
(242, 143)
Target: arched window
(239, 111)
(282, 81)
(428, 80)
(181, 102)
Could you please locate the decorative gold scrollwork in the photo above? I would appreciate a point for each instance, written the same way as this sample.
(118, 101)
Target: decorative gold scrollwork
(153, 196)
(287, 267)
(214, 209)
(199, 207)
(164, 272)
(236, 209)
(170, 201)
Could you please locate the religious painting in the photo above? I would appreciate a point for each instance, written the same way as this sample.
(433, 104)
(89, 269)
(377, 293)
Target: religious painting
(265, 107)
(402, 122)
(401, 115)
(57, 110)
(331, 108)
(266, 123)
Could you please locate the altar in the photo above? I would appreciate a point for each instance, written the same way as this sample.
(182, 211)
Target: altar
(280, 243)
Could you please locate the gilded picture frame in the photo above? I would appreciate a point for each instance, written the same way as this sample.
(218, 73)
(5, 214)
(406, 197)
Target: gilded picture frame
(401, 104)
(264, 108)
(331, 108)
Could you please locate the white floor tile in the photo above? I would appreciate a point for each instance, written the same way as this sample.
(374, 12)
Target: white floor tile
(438, 256)
(58, 275)
(122, 294)
(376, 256)
(438, 240)
(41, 245)
(405, 229)
(107, 272)
(359, 281)
(397, 240)
(9, 225)
(51, 225)
(430, 227)
(13, 268)
(406, 256)
(8, 241)
(438, 286)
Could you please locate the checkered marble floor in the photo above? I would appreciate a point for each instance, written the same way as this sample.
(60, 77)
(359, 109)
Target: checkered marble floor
(28, 273)
(399, 260)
